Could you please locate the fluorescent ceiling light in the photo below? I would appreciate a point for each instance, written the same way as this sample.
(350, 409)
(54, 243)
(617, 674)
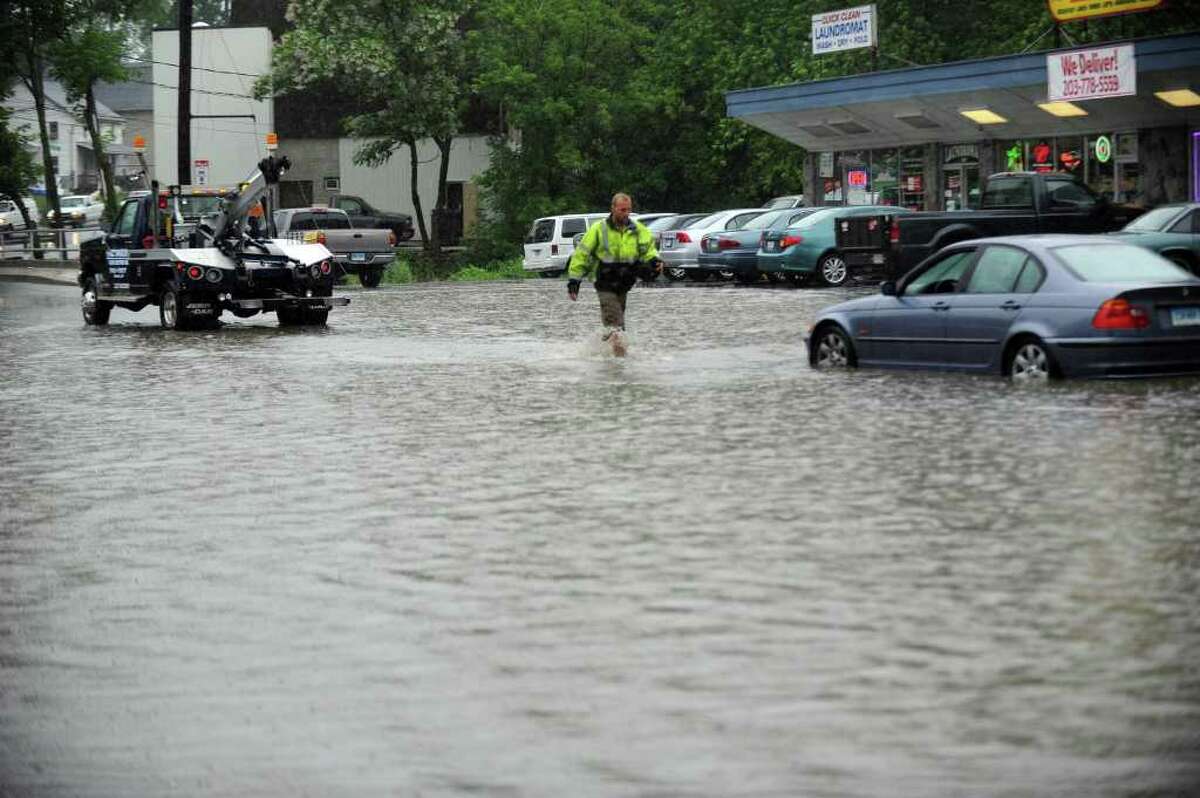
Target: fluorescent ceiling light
(983, 116)
(850, 127)
(918, 121)
(1180, 98)
(1062, 108)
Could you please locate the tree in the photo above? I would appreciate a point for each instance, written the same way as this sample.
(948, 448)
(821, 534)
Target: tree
(85, 55)
(407, 63)
(18, 170)
(36, 26)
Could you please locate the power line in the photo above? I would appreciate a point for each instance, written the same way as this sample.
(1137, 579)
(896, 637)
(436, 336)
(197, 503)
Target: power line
(198, 69)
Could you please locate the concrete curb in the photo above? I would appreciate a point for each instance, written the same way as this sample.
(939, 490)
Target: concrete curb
(55, 272)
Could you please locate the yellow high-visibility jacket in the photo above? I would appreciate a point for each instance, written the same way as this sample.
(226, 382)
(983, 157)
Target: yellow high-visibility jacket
(604, 243)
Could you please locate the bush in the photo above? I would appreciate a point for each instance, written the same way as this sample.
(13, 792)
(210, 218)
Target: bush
(510, 269)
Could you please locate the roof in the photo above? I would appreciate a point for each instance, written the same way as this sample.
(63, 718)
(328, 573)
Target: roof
(921, 104)
(56, 94)
(135, 94)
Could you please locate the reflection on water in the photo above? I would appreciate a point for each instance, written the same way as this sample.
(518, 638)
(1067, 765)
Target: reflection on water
(447, 546)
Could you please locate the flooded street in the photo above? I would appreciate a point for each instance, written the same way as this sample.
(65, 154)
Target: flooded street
(446, 547)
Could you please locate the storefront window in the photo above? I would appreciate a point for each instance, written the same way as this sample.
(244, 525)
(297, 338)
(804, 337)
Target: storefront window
(885, 177)
(912, 178)
(1041, 155)
(1070, 155)
(1015, 154)
(1127, 145)
(854, 169)
(1100, 170)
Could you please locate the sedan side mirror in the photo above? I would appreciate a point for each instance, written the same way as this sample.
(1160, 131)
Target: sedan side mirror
(888, 288)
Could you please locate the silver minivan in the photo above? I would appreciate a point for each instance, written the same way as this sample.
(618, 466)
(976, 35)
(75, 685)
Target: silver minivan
(551, 241)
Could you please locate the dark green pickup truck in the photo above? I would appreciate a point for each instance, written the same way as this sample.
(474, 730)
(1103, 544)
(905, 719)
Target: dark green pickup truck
(1013, 203)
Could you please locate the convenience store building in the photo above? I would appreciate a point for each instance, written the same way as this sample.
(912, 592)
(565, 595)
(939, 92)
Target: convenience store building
(924, 137)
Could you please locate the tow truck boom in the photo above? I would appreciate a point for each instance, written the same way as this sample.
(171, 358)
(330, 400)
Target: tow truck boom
(225, 230)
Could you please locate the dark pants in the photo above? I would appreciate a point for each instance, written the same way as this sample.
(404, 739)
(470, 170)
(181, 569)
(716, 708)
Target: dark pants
(612, 308)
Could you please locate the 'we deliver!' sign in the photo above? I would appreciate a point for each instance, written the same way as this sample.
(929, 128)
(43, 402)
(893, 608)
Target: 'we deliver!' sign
(1091, 74)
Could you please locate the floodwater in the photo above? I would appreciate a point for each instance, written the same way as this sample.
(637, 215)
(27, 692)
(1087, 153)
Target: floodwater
(447, 547)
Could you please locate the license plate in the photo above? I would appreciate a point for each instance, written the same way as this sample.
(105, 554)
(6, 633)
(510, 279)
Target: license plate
(358, 257)
(877, 257)
(669, 243)
(771, 246)
(1185, 317)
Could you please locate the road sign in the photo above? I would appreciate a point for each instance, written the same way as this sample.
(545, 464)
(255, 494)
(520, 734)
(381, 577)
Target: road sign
(200, 171)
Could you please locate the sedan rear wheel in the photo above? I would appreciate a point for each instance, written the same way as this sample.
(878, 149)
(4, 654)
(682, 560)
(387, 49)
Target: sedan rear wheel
(833, 349)
(832, 269)
(1031, 362)
(675, 274)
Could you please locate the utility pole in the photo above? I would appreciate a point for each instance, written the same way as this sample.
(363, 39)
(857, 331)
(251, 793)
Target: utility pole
(184, 115)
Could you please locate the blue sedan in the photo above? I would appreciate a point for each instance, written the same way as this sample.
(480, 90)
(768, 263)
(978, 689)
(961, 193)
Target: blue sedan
(1029, 307)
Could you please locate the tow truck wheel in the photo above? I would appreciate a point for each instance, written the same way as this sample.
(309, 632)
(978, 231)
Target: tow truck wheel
(370, 278)
(95, 311)
(172, 308)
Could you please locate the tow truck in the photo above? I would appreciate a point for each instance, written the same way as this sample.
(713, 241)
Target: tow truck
(229, 260)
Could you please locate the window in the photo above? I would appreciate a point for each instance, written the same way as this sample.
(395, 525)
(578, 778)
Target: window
(302, 221)
(942, 277)
(573, 226)
(1118, 263)
(53, 131)
(541, 232)
(1153, 220)
(1008, 192)
(1188, 224)
(1031, 277)
(126, 219)
(331, 221)
(351, 205)
(763, 221)
(1069, 194)
(736, 222)
(997, 271)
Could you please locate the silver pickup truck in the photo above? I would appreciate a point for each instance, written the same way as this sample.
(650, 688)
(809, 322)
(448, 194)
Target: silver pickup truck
(358, 251)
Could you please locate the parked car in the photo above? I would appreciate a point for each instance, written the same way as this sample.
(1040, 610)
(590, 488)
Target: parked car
(808, 249)
(364, 215)
(11, 214)
(733, 254)
(552, 240)
(365, 253)
(1028, 307)
(1173, 231)
(1013, 203)
(78, 210)
(786, 201)
(647, 218)
(680, 247)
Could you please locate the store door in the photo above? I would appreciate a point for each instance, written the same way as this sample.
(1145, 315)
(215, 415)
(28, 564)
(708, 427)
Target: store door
(960, 186)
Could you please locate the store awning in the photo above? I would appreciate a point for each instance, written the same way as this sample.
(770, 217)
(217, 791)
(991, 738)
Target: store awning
(923, 104)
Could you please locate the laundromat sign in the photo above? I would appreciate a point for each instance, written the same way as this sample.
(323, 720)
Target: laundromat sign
(847, 29)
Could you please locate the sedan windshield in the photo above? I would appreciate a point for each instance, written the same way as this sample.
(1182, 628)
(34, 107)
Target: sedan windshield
(1118, 263)
(764, 221)
(816, 218)
(1155, 219)
(72, 202)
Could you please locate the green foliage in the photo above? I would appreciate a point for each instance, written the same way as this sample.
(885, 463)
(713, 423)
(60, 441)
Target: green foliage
(503, 270)
(18, 169)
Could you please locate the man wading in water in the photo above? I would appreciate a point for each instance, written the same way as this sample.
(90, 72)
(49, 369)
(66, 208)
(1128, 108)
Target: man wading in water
(614, 252)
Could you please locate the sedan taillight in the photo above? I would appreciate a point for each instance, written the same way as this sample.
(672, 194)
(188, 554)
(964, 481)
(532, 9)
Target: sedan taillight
(727, 243)
(1118, 314)
(790, 241)
(683, 238)
(894, 232)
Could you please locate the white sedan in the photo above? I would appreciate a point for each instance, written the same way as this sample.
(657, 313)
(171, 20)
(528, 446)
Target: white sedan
(78, 210)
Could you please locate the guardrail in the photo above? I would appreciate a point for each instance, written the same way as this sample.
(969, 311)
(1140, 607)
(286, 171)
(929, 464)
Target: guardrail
(56, 243)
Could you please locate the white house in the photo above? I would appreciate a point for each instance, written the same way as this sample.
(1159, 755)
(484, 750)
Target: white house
(70, 144)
